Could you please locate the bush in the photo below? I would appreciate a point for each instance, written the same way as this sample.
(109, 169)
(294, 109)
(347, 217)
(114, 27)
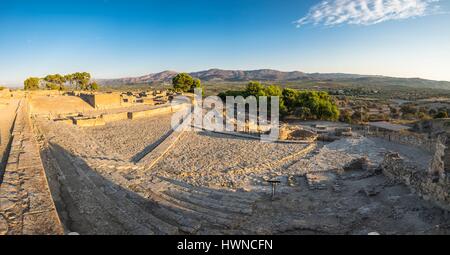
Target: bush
(31, 83)
(441, 115)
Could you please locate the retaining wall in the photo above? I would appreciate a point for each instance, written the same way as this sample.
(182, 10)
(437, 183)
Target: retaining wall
(422, 141)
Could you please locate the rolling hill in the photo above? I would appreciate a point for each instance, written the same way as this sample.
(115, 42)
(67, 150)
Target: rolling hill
(268, 75)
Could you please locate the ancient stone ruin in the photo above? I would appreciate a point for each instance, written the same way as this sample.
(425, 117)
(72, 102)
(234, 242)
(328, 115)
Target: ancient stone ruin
(124, 170)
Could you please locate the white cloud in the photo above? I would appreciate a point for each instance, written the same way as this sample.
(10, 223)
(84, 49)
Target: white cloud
(366, 12)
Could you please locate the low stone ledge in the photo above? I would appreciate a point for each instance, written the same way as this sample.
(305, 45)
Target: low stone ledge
(115, 116)
(89, 122)
(150, 113)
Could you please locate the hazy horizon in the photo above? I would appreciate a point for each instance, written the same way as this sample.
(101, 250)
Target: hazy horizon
(116, 39)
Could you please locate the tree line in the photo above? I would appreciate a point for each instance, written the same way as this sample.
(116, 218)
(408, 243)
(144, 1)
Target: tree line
(76, 81)
(303, 104)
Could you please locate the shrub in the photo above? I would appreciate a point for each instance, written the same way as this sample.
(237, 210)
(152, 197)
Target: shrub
(441, 115)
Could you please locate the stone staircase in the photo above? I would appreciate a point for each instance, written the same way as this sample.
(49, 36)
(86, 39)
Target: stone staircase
(112, 197)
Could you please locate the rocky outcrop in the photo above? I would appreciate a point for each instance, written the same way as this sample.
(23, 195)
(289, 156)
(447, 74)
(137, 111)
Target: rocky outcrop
(288, 132)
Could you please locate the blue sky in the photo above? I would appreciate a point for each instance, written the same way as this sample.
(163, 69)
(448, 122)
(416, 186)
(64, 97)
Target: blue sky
(115, 38)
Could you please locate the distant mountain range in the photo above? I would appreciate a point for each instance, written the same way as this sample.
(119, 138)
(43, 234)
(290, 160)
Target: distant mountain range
(268, 75)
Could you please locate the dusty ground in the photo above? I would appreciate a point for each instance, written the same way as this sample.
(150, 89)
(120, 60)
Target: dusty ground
(214, 183)
(349, 206)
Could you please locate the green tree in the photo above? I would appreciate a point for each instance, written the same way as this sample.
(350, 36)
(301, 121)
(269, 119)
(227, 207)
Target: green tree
(81, 80)
(277, 91)
(69, 79)
(303, 113)
(304, 104)
(93, 86)
(255, 88)
(183, 82)
(273, 90)
(319, 103)
(290, 97)
(31, 83)
(197, 84)
(54, 81)
(231, 93)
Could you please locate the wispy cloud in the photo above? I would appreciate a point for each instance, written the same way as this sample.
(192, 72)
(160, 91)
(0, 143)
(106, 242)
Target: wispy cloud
(366, 12)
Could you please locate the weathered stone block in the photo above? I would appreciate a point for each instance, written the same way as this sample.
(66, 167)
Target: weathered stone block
(90, 122)
(115, 116)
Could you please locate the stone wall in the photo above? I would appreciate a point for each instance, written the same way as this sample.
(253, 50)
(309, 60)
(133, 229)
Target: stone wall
(102, 101)
(432, 126)
(89, 122)
(429, 187)
(417, 140)
(115, 116)
(26, 204)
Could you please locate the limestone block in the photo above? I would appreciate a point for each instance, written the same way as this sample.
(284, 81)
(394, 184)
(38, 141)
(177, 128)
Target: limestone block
(115, 116)
(90, 122)
(150, 113)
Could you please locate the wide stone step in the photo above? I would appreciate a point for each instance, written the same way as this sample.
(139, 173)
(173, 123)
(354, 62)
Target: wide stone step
(158, 207)
(184, 219)
(93, 204)
(83, 204)
(209, 216)
(123, 200)
(120, 196)
(238, 197)
(216, 204)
